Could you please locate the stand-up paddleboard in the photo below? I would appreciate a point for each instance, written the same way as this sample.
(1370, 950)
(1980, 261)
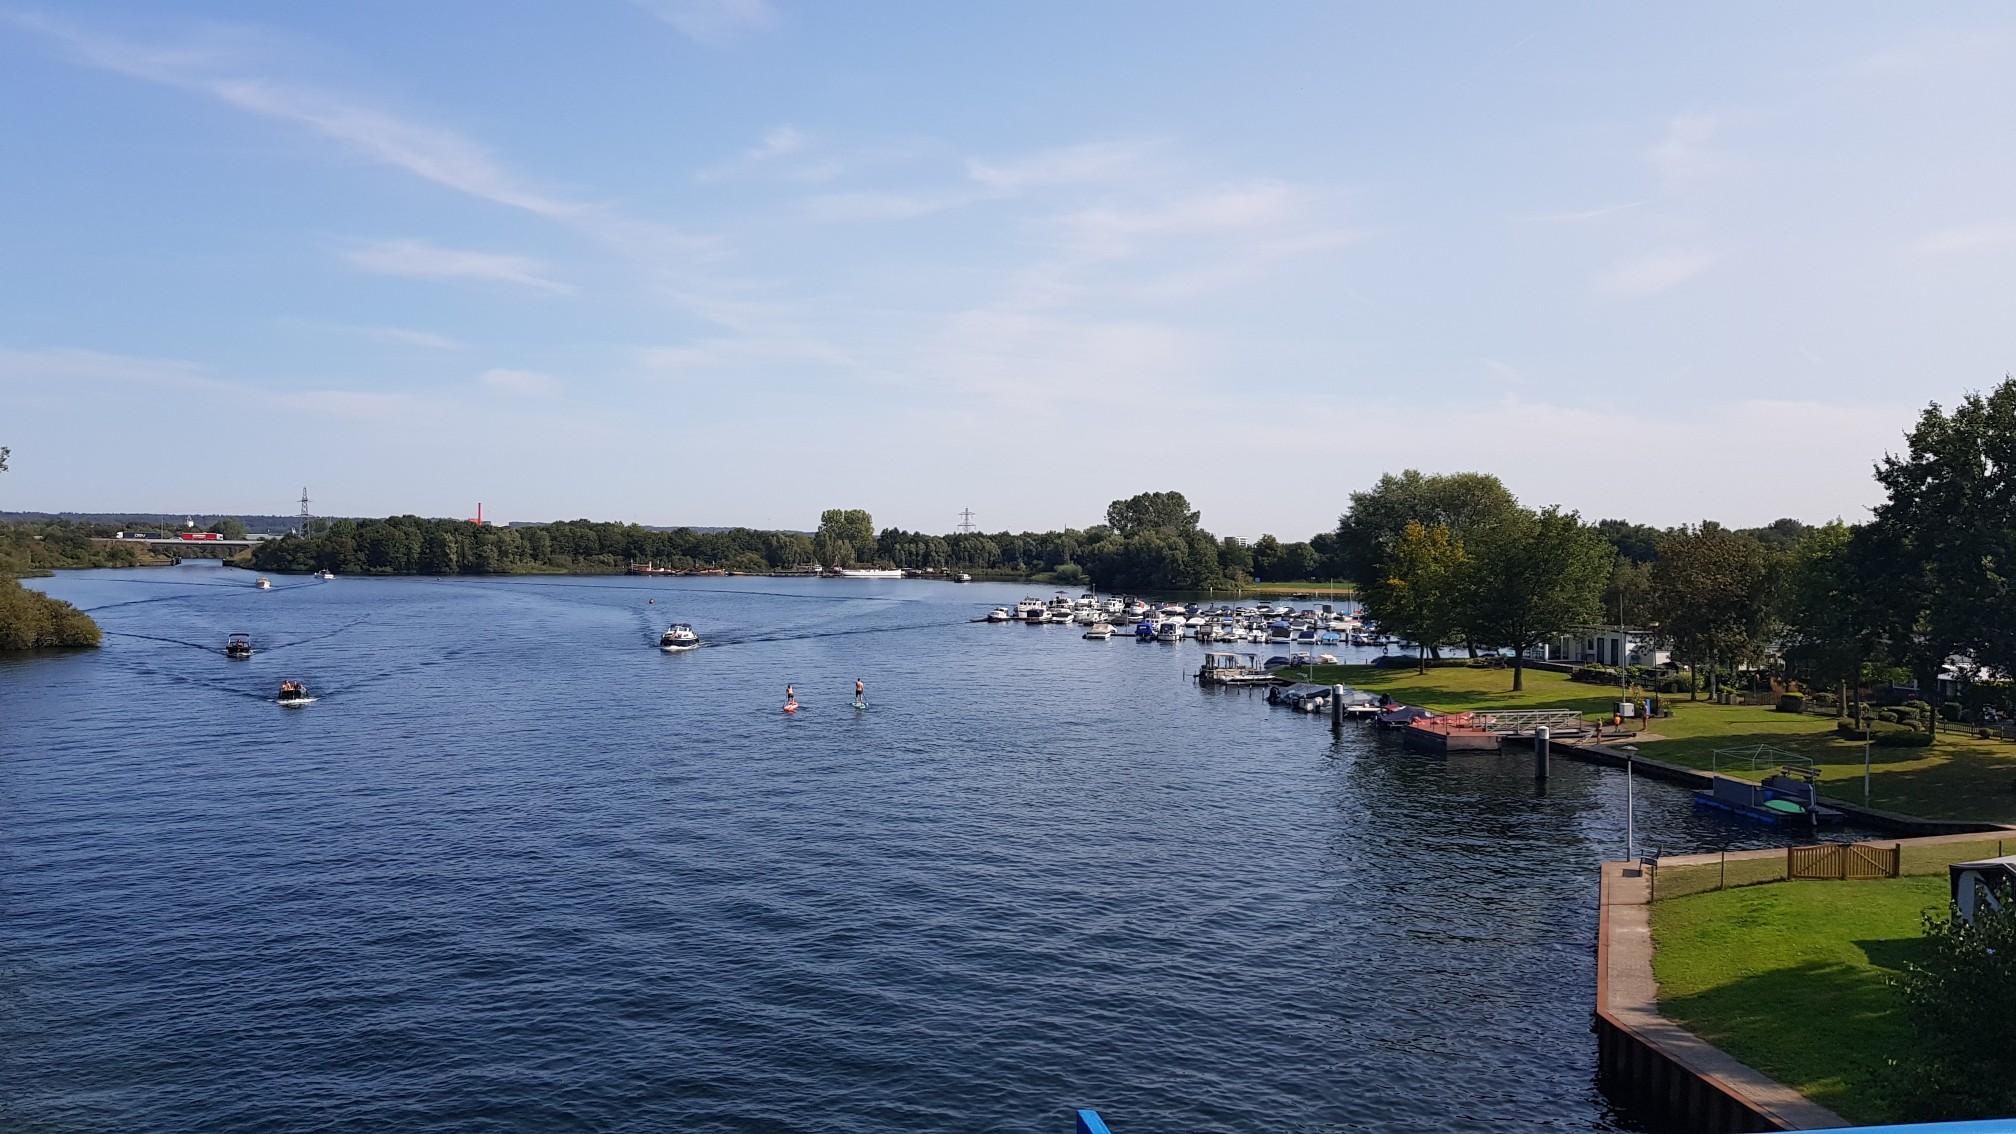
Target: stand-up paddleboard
(860, 704)
(790, 708)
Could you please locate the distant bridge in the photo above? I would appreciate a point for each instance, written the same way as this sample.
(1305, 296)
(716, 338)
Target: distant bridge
(185, 548)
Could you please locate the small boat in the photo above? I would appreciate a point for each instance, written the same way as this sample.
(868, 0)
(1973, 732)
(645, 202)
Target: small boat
(1087, 617)
(999, 614)
(1037, 617)
(1099, 631)
(264, 583)
(294, 694)
(238, 646)
(963, 577)
(678, 638)
(1144, 630)
(1169, 630)
(325, 574)
(1024, 608)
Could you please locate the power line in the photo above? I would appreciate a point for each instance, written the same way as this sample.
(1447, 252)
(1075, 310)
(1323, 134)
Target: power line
(966, 521)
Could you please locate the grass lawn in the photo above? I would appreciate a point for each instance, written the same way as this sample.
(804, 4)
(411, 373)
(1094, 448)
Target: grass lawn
(1318, 592)
(1959, 777)
(1791, 978)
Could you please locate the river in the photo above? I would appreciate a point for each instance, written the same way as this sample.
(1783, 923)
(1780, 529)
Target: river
(517, 870)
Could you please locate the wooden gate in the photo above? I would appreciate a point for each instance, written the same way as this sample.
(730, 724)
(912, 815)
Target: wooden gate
(1834, 862)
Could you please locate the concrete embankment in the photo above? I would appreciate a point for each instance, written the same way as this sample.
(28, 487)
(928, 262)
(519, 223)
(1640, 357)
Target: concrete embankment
(1647, 1061)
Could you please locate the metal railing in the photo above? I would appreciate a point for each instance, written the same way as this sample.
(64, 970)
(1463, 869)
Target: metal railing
(1526, 720)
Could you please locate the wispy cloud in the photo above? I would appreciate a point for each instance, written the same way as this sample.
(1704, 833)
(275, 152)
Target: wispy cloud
(406, 336)
(1966, 238)
(1572, 216)
(715, 23)
(68, 366)
(1687, 152)
(1081, 164)
(714, 354)
(423, 260)
(1108, 231)
(520, 383)
(874, 206)
(1654, 273)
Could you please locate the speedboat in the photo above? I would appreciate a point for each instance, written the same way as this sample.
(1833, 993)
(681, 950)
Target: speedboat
(1144, 630)
(678, 638)
(238, 646)
(999, 614)
(1137, 609)
(294, 694)
(264, 583)
(1099, 631)
(963, 577)
(325, 574)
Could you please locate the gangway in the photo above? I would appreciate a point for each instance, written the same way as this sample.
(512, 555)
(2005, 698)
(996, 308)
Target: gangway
(1526, 720)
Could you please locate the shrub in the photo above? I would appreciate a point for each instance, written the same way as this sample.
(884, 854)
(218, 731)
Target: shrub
(1594, 675)
(1791, 702)
(1893, 716)
(1960, 1003)
(1985, 733)
(1922, 708)
(1903, 738)
(1949, 711)
(1849, 730)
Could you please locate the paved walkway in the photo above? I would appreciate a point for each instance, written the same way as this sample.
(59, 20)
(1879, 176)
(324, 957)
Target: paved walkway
(1634, 1002)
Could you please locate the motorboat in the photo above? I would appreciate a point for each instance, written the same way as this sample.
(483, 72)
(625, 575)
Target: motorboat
(1306, 636)
(1279, 632)
(1087, 616)
(678, 638)
(1144, 630)
(963, 577)
(1038, 616)
(999, 614)
(325, 574)
(1168, 630)
(1028, 605)
(263, 583)
(1099, 631)
(238, 646)
(1137, 609)
(294, 694)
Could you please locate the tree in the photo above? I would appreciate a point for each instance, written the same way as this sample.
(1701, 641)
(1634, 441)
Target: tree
(1418, 595)
(1820, 606)
(439, 554)
(1297, 562)
(1637, 542)
(1711, 594)
(1465, 503)
(843, 534)
(229, 527)
(1532, 575)
(1629, 590)
(1266, 557)
(1151, 511)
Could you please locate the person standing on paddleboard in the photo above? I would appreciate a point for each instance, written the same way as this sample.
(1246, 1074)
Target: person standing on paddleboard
(790, 698)
(860, 694)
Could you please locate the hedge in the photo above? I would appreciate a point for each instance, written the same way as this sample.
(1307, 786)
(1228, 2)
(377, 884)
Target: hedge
(1904, 739)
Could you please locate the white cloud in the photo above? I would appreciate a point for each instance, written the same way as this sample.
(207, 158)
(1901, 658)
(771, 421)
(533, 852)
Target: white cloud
(1110, 231)
(423, 260)
(406, 336)
(1654, 273)
(1085, 163)
(732, 353)
(1687, 151)
(70, 366)
(1966, 238)
(1574, 215)
(777, 142)
(522, 383)
(714, 23)
(854, 207)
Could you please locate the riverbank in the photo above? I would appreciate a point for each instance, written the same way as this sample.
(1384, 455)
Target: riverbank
(1755, 970)
(1957, 777)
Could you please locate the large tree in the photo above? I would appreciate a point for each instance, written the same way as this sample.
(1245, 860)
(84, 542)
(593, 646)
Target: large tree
(1711, 594)
(1465, 503)
(1820, 607)
(1418, 595)
(844, 533)
(1152, 511)
(1532, 575)
(1942, 546)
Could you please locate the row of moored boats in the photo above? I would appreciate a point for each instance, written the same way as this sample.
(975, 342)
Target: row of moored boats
(1171, 622)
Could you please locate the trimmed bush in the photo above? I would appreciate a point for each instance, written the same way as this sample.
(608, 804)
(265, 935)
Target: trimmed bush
(1905, 738)
(1791, 702)
(1892, 716)
(1949, 711)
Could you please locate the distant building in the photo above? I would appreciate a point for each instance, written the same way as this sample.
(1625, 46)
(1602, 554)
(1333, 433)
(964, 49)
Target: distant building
(1606, 645)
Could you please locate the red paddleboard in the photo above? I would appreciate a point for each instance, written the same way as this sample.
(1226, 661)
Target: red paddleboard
(790, 708)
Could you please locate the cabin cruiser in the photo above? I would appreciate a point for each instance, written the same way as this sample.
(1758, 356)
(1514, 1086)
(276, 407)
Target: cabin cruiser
(963, 577)
(1099, 631)
(1305, 636)
(294, 694)
(1087, 616)
(678, 638)
(1279, 632)
(1037, 617)
(1027, 606)
(238, 646)
(263, 583)
(1144, 630)
(1137, 609)
(1168, 630)
(999, 614)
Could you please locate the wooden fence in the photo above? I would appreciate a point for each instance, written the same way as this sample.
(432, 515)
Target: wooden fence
(1842, 861)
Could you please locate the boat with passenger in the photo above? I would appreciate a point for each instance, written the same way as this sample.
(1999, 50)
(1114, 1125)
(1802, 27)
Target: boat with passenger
(294, 694)
(263, 583)
(325, 574)
(678, 638)
(238, 646)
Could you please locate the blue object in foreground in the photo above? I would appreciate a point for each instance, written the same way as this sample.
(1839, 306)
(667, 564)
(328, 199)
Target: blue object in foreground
(1089, 1122)
(1978, 1126)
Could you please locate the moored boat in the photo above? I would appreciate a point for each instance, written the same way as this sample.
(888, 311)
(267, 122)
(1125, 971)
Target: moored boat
(999, 614)
(1099, 631)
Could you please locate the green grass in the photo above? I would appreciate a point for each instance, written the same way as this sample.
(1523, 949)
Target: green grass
(1958, 777)
(1792, 979)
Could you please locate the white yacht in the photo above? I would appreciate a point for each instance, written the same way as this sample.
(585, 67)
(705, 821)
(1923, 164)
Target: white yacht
(1028, 606)
(1168, 630)
(999, 614)
(1038, 616)
(1087, 617)
(1099, 631)
(325, 574)
(678, 638)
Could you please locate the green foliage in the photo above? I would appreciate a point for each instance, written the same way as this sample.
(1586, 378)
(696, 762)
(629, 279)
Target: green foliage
(1791, 702)
(1531, 576)
(32, 620)
(1949, 711)
(1068, 574)
(229, 527)
(37, 547)
(1466, 503)
(1419, 591)
(1151, 511)
(1960, 1002)
(1850, 730)
(1908, 736)
(1712, 594)
(844, 535)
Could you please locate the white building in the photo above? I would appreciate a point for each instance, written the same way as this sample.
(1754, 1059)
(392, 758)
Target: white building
(1606, 645)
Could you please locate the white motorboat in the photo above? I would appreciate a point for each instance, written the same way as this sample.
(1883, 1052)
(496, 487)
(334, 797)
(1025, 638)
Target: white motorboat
(1087, 617)
(678, 638)
(1099, 631)
(325, 574)
(264, 583)
(1029, 606)
(1168, 630)
(1000, 614)
(294, 694)
(1037, 617)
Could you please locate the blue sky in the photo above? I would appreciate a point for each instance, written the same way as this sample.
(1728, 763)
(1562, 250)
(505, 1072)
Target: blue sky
(735, 261)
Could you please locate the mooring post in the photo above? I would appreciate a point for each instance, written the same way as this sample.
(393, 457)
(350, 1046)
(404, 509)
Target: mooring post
(1541, 737)
(1336, 708)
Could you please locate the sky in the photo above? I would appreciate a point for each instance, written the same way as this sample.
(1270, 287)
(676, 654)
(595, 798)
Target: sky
(737, 261)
